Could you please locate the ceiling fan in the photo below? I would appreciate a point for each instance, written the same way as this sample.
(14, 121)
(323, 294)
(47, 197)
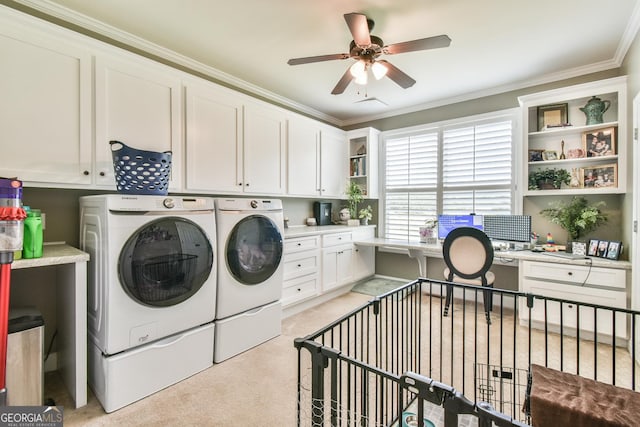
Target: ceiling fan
(367, 48)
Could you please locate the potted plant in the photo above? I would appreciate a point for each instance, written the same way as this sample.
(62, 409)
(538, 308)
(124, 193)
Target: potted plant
(428, 232)
(548, 179)
(365, 215)
(577, 217)
(354, 196)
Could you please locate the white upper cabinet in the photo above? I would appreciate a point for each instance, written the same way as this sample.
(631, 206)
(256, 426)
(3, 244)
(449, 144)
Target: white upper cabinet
(317, 158)
(264, 149)
(137, 102)
(213, 138)
(333, 162)
(45, 105)
(233, 144)
(303, 159)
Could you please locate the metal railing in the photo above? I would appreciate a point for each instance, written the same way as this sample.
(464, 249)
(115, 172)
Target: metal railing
(398, 355)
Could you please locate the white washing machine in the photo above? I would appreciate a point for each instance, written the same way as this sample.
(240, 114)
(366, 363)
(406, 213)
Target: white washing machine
(250, 274)
(151, 292)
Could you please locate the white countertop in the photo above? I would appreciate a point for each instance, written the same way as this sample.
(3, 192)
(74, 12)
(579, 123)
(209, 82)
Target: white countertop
(500, 256)
(53, 254)
(306, 230)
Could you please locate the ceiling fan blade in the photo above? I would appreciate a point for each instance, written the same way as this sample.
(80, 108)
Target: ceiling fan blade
(359, 28)
(420, 44)
(319, 58)
(343, 83)
(394, 73)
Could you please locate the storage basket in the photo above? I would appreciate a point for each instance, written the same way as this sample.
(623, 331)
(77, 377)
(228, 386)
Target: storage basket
(139, 171)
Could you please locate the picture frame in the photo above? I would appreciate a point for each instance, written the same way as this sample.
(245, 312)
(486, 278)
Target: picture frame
(553, 115)
(599, 142)
(613, 250)
(535, 155)
(550, 155)
(603, 245)
(600, 176)
(592, 249)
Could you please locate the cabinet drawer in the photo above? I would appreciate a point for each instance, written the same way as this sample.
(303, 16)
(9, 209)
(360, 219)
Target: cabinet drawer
(336, 239)
(300, 288)
(301, 244)
(300, 264)
(587, 315)
(363, 233)
(578, 274)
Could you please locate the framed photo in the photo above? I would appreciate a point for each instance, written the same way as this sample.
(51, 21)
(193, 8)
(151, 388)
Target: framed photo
(554, 115)
(576, 153)
(603, 245)
(600, 176)
(614, 249)
(550, 155)
(593, 247)
(535, 155)
(600, 142)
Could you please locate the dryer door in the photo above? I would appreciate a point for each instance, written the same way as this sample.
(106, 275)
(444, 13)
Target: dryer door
(254, 249)
(165, 262)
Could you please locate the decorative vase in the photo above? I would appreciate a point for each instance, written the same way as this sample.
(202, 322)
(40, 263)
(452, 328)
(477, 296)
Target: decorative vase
(364, 221)
(595, 109)
(427, 235)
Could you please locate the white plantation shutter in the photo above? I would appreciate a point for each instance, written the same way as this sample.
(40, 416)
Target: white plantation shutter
(411, 176)
(473, 174)
(477, 169)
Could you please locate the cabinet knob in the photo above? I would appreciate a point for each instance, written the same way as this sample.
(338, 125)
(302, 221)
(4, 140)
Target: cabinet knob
(247, 184)
(298, 289)
(102, 174)
(299, 244)
(570, 273)
(299, 265)
(239, 183)
(85, 173)
(570, 306)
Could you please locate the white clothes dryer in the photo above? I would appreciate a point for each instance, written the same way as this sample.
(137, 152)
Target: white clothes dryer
(151, 292)
(250, 273)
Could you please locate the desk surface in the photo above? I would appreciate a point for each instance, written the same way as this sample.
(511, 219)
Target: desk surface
(502, 257)
(53, 254)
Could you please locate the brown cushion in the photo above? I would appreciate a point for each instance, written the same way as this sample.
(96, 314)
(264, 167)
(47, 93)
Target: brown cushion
(563, 399)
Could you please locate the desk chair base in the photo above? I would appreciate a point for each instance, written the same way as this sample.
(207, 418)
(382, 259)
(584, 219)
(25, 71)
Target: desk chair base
(487, 299)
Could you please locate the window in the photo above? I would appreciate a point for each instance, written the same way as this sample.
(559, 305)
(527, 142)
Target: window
(458, 167)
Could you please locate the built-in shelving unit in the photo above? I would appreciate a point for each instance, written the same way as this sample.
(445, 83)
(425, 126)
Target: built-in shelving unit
(363, 160)
(568, 145)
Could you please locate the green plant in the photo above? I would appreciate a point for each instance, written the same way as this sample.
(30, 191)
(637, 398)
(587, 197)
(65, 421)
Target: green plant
(354, 196)
(556, 177)
(366, 213)
(431, 223)
(576, 217)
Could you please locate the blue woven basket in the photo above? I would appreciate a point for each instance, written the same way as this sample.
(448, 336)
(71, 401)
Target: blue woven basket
(139, 171)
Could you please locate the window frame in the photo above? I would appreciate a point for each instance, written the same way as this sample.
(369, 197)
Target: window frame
(513, 114)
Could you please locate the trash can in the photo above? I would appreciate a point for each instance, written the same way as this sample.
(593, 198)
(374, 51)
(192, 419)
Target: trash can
(25, 364)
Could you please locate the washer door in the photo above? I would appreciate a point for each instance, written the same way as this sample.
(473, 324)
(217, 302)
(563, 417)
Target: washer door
(254, 250)
(165, 262)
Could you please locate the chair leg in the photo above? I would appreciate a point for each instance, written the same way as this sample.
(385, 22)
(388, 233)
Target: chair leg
(488, 303)
(447, 301)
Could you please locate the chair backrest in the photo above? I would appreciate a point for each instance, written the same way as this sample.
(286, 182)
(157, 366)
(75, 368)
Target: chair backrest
(468, 253)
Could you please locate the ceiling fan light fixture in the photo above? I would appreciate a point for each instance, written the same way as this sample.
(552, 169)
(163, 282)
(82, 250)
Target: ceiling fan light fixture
(379, 70)
(359, 72)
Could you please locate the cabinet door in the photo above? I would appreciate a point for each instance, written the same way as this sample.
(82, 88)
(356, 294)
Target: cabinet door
(303, 157)
(336, 266)
(138, 104)
(264, 149)
(45, 106)
(333, 163)
(213, 139)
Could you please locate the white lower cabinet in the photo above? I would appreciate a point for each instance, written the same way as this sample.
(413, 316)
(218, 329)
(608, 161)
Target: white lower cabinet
(583, 284)
(337, 254)
(301, 269)
(320, 263)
